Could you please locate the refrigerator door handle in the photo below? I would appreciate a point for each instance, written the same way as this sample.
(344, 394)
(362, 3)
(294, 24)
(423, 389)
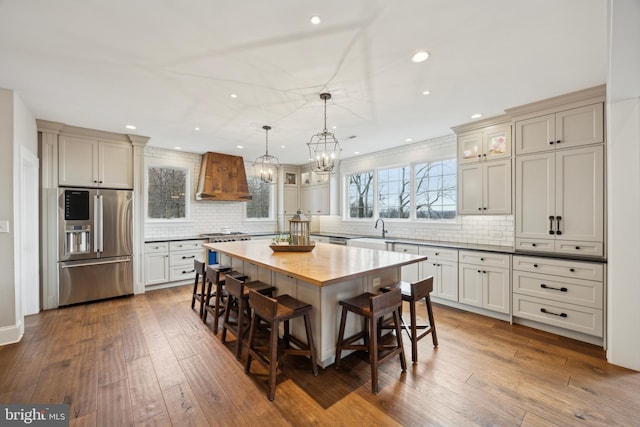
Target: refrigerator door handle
(95, 263)
(99, 236)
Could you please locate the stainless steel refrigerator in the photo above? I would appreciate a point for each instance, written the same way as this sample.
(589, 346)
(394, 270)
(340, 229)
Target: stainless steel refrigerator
(95, 244)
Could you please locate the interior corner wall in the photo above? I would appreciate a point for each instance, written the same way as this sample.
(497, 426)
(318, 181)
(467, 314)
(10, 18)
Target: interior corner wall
(7, 181)
(623, 183)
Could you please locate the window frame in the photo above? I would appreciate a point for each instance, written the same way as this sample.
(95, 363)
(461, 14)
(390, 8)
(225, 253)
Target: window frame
(153, 162)
(272, 200)
(456, 220)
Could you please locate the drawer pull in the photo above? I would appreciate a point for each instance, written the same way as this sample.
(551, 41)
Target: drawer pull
(185, 272)
(563, 289)
(572, 270)
(533, 244)
(577, 248)
(535, 265)
(544, 310)
(188, 257)
(481, 259)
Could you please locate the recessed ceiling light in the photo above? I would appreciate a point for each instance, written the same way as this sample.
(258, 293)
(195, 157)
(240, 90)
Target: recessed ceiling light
(408, 139)
(334, 127)
(315, 20)
(132, 127)
(476, 116)
(426, 92)
(356, 152)
(240, 146)
(282, 146)
(234, 95)
(177, 148)
(420, 56)
(197, 128)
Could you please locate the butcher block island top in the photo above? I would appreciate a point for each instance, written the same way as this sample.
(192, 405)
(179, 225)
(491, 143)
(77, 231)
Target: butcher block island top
(325, 265)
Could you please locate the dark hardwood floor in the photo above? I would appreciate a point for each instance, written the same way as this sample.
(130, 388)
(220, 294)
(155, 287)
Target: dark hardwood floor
(149, 360)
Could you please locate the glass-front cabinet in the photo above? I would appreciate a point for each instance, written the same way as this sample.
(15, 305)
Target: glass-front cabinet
(490, 143)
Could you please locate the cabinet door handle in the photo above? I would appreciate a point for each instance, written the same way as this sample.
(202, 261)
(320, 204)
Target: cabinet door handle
(544, 310)
(558, 141)
(550, 142)
(559, 232)
(551, 218)
(563, 289)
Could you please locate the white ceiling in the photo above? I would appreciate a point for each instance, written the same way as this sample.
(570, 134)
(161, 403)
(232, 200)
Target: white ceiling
(168, 66)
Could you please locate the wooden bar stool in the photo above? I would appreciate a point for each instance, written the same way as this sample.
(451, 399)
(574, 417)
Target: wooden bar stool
(238, 302)
(372, 307)
(273, 311)
(412, 293)
(199, 268)
(215, 277)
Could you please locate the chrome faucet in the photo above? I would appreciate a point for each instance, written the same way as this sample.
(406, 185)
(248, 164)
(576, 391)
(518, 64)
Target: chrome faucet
(384, 232)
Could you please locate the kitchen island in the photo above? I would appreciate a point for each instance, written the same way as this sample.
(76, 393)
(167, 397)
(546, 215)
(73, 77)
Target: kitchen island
(321, 278)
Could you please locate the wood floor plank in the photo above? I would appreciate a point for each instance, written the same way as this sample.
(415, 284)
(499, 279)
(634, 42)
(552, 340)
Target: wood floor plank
(114, 405)
(81, 387)
(88, 420)
(183, 407)
(147, 402)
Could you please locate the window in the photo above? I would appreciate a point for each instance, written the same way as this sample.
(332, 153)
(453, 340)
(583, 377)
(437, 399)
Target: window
(167, 190)
(360, 195)
(393, 193)
(436, 189)
(259, 207)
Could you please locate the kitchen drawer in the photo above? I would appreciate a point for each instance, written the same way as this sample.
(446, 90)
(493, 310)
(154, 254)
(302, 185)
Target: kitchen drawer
(488, 259)
(181, 245)
(538, 245)
(186, 257)
(580, 248)
(435, 253)
(182, 272)
(569, 316)
(557, 267)
(156, 247)
(588, 293)
(406, 249)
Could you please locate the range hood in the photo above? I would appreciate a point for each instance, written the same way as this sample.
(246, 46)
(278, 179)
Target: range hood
(222, 178)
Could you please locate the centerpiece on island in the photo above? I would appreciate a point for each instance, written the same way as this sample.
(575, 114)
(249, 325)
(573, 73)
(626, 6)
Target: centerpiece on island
(298, 239)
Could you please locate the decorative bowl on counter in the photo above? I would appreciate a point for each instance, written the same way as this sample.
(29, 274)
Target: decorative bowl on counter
(293, 248)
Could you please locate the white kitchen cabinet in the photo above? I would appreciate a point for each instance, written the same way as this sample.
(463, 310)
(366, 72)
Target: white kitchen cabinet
(484, 280)
(485, 188)
(156, 263)
(561, 293)
(172, 261)
(88, 162)
(489, 143)
(315, 199)
(410, 273)
(560, 201)
(442, 264)
(290, 200)
(563, 129)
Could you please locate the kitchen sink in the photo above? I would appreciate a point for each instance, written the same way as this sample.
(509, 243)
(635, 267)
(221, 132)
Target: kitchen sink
(369, 242)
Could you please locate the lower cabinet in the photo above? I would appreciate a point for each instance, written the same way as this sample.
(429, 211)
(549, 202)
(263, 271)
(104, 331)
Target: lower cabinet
(484, 280)
(156, 263)
(561, 293)
(411, 272)
(443, 266)
(172, 261)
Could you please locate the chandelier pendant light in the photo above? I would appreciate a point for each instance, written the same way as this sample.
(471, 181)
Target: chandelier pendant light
(324, 149)
(266, 166)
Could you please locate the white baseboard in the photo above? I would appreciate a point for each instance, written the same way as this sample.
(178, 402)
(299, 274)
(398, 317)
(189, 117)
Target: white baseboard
(11, 334)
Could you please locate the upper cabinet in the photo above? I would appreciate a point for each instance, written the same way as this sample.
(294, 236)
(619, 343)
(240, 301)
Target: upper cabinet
(489, 143)
(563, 129)
(90, 162)
(484, 167)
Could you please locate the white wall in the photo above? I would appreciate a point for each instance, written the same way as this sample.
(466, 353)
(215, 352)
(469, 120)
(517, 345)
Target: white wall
(476, 229)
(623, 108)
(17, 128)
(207, 216)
